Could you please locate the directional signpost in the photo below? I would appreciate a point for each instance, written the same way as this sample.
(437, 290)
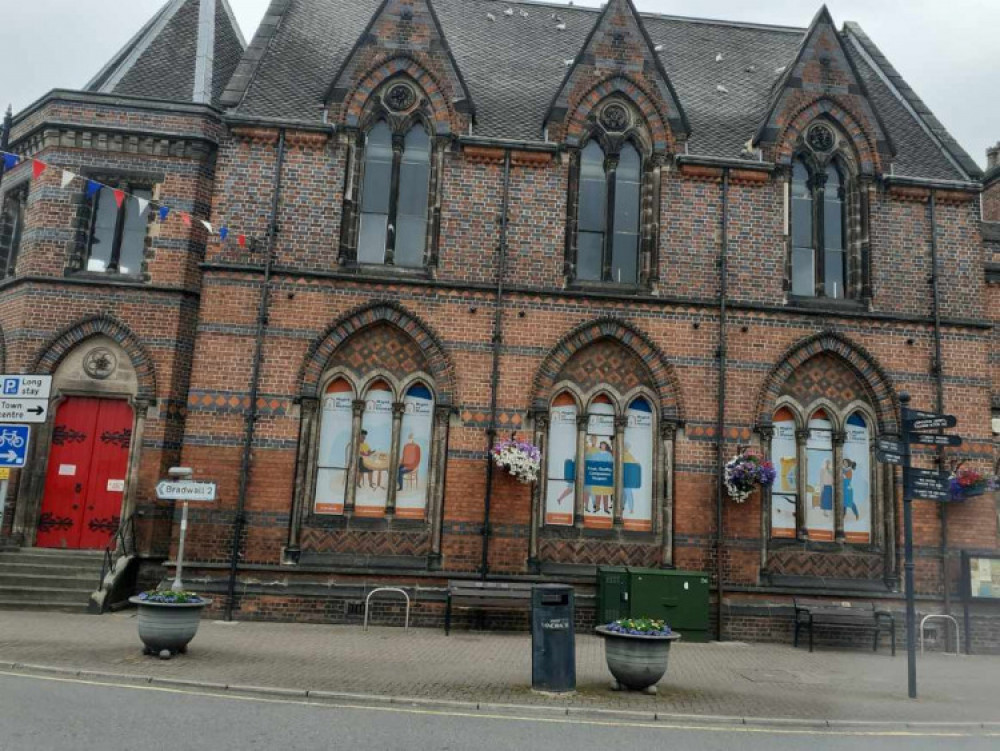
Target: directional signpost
(24, 398)
(183, 488)
(928, 484)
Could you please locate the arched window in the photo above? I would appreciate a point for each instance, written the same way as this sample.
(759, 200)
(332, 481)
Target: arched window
(834, 262)
(856, 480)
(374, 453)
(609, 455)
(784, 491)
(606, 241)
(394, 196)
(803, 252)
(821, 477)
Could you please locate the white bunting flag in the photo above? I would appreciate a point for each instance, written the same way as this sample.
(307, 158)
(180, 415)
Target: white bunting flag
(206, 225)
(143, 203)
(67, 178)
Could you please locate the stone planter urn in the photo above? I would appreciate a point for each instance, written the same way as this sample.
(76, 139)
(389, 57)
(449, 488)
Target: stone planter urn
(637, 662)
(166, 628)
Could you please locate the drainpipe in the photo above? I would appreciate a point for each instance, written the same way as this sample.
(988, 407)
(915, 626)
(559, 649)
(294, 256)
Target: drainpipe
(939, 383)
(258, 356)
(491, 431)
(721, 415)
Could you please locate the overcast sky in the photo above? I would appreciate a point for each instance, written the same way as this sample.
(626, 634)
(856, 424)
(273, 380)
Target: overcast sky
(947, 51)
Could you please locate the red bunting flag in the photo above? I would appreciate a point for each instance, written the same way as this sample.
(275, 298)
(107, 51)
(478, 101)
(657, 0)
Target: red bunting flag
(186, 218)
(242, 239)
(37, 168)
(119, 196)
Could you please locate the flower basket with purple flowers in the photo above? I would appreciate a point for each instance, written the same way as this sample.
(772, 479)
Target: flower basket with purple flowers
(521, 459)
(967, 483)
(746, 472)
(168, 620)
(636, 650)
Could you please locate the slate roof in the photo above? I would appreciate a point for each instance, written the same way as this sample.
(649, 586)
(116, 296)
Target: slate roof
(162, 60)
(514, 65)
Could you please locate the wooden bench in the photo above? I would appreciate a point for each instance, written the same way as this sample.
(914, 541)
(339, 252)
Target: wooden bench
(479, 595)
(808, 612)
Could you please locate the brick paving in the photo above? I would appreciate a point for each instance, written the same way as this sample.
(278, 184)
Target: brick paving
(730, 679)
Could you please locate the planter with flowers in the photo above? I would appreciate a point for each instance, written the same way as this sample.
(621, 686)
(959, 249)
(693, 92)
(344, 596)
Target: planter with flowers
(168, 620)
(966, 483)
(521, 459)
(746, 472)
(636, 650)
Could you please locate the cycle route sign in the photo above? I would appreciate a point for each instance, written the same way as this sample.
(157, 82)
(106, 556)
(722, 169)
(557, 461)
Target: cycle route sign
(14, 445)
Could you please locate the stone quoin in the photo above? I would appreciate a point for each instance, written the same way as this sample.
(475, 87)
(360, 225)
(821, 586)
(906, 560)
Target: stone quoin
(435, 241)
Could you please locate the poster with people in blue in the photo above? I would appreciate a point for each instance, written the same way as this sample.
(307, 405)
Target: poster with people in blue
(599, 465)
(560, 470)
(637, 468)
(784, 456)
(414, 452)
(822, 475)
(855, 478)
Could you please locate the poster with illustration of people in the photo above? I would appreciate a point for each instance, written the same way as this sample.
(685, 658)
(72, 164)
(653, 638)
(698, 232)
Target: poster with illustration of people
(414, 452)
(637, 468)
(599, 465)
(334, 451)
(855, 476)
(374, 445)
(560, 470)
(822, 475)
(784, 456)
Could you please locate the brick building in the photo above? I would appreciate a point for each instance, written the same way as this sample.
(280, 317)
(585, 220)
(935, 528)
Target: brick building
(471, 219)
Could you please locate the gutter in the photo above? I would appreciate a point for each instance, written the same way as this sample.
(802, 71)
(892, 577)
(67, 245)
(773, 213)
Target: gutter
(926, 182)
(724, 162)
(258, 357)
(491, 431)
(721, 414)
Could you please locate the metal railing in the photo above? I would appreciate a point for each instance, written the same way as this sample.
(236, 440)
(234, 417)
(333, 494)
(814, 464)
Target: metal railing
(122, 544)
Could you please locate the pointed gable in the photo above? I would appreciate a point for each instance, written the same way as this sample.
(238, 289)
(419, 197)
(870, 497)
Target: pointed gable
(402, 37)
(185, 53)
(822, 80)
(618, 56)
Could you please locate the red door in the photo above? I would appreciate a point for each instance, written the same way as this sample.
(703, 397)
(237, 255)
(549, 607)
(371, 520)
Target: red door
(85, 479)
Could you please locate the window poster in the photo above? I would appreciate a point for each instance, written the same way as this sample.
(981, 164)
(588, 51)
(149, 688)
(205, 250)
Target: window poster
(819, 487)
(784, 492)
(414, 452)
(334, 448)
(560, 468)
(855, 474)
(374, 447)
(637, 468)
(599, 465)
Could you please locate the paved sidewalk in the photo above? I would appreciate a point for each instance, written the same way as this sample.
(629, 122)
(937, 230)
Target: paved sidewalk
(728, 679)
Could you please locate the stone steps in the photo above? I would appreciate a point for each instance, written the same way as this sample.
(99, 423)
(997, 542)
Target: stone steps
(43, 579)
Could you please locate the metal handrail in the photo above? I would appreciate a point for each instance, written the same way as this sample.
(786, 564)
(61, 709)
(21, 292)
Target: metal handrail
(122, 543)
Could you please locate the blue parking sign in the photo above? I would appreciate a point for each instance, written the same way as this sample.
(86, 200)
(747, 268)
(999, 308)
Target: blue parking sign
(10, 385)
(14, 444)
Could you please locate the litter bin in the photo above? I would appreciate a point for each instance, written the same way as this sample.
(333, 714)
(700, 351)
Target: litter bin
(553, 639)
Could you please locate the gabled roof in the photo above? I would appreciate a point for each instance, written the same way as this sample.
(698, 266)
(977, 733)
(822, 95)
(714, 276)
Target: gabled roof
(186, 52)
(723, 72)
(840, 78)
(633, 40)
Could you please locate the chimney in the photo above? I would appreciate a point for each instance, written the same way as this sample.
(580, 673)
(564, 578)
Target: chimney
(993, 156)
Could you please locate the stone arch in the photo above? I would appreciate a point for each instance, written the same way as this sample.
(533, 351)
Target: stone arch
(438, 364)
(868, 159)
(60, 345)
(578, 127)
(662, 377)
(407, 66)
(859, 361)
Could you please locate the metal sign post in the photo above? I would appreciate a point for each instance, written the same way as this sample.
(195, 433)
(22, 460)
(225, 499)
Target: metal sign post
(182, 488)
(911, 618)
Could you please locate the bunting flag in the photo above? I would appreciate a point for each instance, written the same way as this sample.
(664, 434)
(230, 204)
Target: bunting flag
(11, 160)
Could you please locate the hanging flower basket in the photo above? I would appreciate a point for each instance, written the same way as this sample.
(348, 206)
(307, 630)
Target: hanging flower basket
(519, 458)
(746, 472)
(967, 483)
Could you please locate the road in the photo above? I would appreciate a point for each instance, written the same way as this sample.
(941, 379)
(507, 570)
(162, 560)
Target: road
(51, 713)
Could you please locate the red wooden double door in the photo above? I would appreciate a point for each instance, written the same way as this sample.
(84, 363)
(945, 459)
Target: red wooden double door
(85, 478)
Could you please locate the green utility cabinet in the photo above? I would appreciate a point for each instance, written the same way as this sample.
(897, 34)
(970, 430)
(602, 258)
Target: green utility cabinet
(612, 593)
(678, 597)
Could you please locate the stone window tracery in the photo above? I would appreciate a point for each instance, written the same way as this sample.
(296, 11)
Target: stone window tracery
(14, 203)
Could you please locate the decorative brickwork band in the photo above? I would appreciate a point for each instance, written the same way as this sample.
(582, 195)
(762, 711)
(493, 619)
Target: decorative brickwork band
(388, 312)
(661, 374)
(871, 375)
(56, 348)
